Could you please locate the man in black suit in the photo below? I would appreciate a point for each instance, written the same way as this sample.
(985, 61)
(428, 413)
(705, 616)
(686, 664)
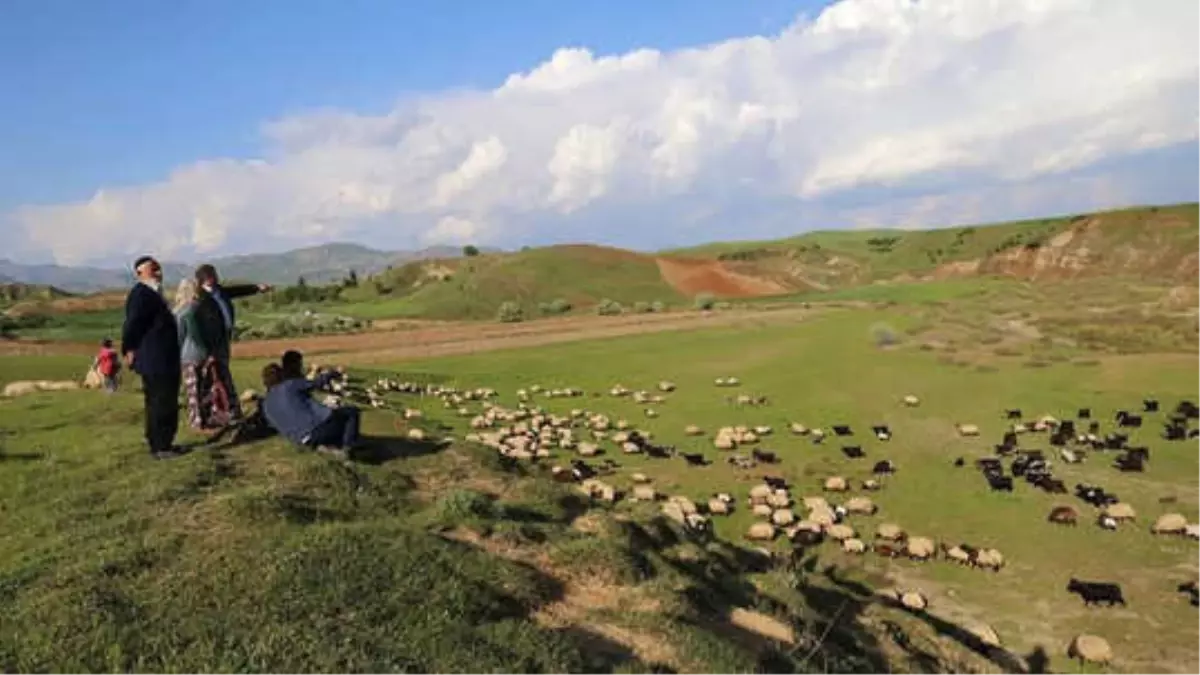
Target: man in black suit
(219, 317)
(150, 345)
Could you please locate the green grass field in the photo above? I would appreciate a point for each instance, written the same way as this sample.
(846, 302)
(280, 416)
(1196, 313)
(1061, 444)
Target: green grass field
(262, 558)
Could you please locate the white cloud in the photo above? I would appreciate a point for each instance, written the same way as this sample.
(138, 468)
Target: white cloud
(940, 97)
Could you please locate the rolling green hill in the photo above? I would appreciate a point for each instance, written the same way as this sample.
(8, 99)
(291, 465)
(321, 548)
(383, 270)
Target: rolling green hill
(473, 288)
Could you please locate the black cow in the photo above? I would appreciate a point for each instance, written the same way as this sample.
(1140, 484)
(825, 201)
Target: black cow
(853, 451)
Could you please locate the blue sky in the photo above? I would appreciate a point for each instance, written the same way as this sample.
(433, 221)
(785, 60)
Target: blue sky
(115, 93)
(197, 128)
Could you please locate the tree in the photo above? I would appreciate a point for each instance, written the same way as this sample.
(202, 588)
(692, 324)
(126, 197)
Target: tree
(300, 282)
(470, 251)
(352, 279)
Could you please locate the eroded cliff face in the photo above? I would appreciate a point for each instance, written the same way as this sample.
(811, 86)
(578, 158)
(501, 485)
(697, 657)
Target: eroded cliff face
(1164, 249)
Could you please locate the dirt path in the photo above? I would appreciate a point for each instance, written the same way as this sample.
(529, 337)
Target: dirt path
(409, 341)
(474, 338)
(692, 277)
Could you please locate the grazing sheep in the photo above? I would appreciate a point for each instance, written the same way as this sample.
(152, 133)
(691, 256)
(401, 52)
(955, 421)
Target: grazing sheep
(871, 484)
(416, 435)
(884, 467)
(597, 489)
(724, 442)
(1120, 511)
(693, 430)
(836, 484)
(1096, 592)
(1090, 649)
(889, 532)
(814, 503)
(882, 432)
(1106, 522)
(853, 451)
(855, 546)
(842, 430)
(914, 601)
(822, 517)
(1193, 530)
(764, 456)
(956, 554)
(798, 429)
(779, 499)
(666, 386)
(762, 510)
(989, 558)
(839, 532)
(759, 494)
(783, 517)
(920, 548)
(1063, 515)
(644, 493)
(862, 505)
(761, 532)
(911, 401)
(818, 435)
(1069, 456)
(1170, 523)
(967, 429)
(719, 507)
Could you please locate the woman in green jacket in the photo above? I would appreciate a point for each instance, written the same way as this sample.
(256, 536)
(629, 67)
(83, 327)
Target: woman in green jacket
(195, 351)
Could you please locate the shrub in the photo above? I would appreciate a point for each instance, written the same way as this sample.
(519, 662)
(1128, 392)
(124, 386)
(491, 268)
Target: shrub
(608, 307)
(705, 301)
(884, 335)
(510, 312)
(658, 307)
(556, 306)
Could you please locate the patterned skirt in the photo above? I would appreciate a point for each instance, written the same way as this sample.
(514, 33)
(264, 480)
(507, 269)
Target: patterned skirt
(207, 399)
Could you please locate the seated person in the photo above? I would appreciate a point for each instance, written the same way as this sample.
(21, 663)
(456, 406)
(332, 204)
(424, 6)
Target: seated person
(291, 410)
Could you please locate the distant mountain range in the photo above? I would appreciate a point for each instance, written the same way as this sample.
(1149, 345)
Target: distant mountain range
(317, 264)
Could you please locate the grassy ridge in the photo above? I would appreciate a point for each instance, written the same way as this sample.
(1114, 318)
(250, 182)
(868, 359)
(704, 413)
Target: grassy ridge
(581, 275)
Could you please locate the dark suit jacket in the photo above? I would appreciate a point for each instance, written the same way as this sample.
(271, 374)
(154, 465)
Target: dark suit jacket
(212, 320)
(151, 332)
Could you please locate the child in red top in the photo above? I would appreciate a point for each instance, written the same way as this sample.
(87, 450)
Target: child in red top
(108, 364)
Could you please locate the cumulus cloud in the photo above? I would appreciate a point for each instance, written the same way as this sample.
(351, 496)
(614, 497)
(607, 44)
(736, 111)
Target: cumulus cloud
(908, 105)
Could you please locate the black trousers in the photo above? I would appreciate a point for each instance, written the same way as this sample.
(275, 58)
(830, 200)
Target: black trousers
(161, 394)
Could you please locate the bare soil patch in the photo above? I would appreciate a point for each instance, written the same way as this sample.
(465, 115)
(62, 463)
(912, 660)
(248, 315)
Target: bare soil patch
(691, 277)
(468, 338)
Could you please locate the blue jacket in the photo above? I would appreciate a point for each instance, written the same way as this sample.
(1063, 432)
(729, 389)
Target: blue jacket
(290, 408)
(150, 332)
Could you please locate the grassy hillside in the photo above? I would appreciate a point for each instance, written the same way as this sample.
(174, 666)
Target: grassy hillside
(473, 288)
(13, 293)
(434, 558)
(1145, 242)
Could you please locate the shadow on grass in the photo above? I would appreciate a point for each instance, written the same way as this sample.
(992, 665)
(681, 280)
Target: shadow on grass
(376, 450)
(20, 456)
(831, 631)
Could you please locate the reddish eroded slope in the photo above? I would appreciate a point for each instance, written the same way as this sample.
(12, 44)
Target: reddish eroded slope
(691, 277)
(1160, 246)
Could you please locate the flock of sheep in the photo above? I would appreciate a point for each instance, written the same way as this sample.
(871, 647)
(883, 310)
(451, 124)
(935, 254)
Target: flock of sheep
(529, 432)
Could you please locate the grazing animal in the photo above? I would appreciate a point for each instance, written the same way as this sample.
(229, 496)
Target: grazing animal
(853, 451)
(888, 550)
(1063, 515)
(1130, 463)
(882, 432)
(1175, 431)
(1095, 592)
(884, 466)
(842, 430)
(1010, 439)
(765, 456)
(959, 462)
(1124, 419)
(1000, 483)
(776, 482)
(1013, 414)
(1084, 414)
(1192, 590)
(1150, 405)
(1106, 522)
(1188, 409)
(695, 458)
